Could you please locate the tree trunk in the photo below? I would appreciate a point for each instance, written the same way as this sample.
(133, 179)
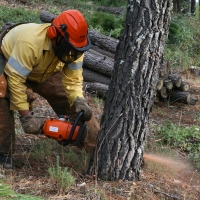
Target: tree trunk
(193, 6)
(177, 4)
(125, 121)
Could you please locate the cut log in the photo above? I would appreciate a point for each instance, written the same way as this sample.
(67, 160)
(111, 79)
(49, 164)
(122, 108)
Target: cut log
(160, 84)
(94, 77)
(184, 87)
(156, 100)
(162, 93)
(96, 88)
(193, 101)
(176, 80)
(103, 41)
(98, 62)
(46, 17)
(168, 84)
(195, 70)
(164, 70)
(179, 96)
(7, 25)
(101, 51)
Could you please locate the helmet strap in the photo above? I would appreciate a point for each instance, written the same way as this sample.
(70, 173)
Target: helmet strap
(59, 38)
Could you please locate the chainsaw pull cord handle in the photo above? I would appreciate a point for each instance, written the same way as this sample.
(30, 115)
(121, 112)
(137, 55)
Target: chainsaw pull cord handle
(66, 142)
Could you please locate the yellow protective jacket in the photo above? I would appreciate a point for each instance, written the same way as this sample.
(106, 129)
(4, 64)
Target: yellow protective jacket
(30, 56)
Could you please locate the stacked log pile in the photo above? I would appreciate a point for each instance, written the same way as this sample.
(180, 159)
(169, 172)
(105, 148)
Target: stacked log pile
(172, 88)
(98, 65)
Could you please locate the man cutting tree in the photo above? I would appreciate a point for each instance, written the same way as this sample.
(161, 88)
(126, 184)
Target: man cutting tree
(31, 54)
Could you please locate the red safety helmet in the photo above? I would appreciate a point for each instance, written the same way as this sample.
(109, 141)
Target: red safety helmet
(72, 25)
(74, 40)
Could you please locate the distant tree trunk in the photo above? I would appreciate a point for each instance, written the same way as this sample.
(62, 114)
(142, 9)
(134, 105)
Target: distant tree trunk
(186, 6)
(125, 121)
(193, 6)
(177, 6)
(199, 9)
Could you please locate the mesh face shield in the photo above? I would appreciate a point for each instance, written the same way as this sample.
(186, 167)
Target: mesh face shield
(67, 53)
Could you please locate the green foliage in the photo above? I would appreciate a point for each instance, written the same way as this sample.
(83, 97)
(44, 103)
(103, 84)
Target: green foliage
(106, 23)
(182, 49)
(45, 151)
(7, 193)
(62, 178)
(185, 138)
(117, 3)
(175, 33)
(77, 160)
(42, 150)
(98, 101)
(17, 15)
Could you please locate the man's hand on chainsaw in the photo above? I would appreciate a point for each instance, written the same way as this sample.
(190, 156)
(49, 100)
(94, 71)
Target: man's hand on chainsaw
(81, 105)
(32, 124)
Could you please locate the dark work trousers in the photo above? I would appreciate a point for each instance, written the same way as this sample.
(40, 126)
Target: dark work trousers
(53, 91)
(7, 129)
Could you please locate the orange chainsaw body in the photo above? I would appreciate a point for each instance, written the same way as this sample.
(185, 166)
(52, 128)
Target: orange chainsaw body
(59, 129)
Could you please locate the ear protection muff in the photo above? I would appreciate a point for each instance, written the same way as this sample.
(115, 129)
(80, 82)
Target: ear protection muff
(52, 32)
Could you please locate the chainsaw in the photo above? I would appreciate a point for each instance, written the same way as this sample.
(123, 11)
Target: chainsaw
(65, 130)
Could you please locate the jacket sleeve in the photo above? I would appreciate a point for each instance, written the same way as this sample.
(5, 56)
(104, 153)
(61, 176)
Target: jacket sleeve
(17, 69)
(72, 80)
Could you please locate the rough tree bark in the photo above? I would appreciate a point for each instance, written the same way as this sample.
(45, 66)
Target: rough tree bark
(125, 121)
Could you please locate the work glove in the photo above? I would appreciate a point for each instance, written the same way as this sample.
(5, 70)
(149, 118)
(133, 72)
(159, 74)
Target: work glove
(81, 105)
(32, 124)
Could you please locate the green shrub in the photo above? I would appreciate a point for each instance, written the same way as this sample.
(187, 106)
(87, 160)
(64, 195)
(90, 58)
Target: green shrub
(62, 178)
(7, 193)
(17, 15)
(106, 23)
(42, 150)
(182, 49)
(111, 2)
(77, 160)
(45, 151)
(185, 138)
(175, 33)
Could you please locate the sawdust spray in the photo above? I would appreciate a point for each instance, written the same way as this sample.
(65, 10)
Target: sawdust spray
(165, 161)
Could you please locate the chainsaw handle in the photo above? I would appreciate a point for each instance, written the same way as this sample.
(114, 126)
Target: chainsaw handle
(66, 142)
